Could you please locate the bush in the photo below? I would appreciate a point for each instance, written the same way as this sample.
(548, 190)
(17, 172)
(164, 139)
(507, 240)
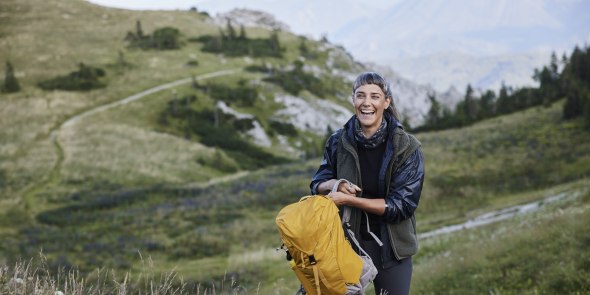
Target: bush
(283, 128)
(164, 38)
(296, 80)
(86, 78)
(10, 81)
(192, 63)
(215, 129)
(231, 44)
(242, 95)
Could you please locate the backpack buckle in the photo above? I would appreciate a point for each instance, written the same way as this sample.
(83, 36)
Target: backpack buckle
(312, 260)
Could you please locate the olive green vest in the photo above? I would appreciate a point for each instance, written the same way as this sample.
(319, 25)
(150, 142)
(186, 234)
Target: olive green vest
(402, 235)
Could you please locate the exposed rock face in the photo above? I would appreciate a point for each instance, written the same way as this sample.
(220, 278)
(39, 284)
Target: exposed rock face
(251, 18)
(313, 115)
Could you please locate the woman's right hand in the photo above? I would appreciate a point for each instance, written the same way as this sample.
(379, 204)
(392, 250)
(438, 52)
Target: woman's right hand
(343, 187)
(348, 188)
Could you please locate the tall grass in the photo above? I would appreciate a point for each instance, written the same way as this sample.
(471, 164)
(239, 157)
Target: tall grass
(543, 253)
(36, 276)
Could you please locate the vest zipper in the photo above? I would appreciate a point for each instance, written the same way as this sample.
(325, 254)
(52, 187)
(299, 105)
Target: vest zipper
(350, 149)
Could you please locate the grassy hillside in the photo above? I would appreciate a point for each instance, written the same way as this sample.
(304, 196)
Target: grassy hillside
(128, 145)
(481, 165)
(206, 232)
(542, 253)
(142, 180)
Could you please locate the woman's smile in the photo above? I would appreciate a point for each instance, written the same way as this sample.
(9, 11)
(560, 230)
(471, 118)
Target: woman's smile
(369, 104)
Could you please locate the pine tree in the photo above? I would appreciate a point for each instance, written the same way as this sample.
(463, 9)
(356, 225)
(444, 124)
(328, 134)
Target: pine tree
(138, 30)
(487, 104)
(243, 33)
(10, 82)
(471, 109)
(231, 32)
(303, 49)
(274, 41)
(433, 116)
(503, 106)
(554, 67)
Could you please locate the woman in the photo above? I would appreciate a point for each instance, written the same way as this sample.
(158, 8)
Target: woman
(386, 168)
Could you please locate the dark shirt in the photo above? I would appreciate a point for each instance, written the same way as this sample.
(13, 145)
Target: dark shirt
(370, 161)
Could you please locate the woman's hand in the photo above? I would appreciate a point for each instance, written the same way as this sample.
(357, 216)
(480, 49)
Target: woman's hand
(348, 188)
(340, 198)
(344, 187)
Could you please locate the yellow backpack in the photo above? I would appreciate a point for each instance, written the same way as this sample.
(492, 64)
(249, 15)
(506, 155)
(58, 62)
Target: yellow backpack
(319, 253)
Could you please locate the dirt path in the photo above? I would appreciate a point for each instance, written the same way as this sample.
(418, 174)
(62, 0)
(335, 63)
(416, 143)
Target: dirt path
(496, 215)
(53, 177)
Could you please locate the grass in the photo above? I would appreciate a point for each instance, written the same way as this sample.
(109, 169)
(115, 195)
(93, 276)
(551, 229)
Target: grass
(539, 253)
(228, 227)
(36, 276)
(542, 253)
(124, 184)
(46, 39)
(480, 166)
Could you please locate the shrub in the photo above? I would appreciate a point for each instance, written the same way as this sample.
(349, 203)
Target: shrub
(164, 38)
(232, 44)
(10, 81)
(215, 129)
(86, 78)
(192, 63)
(242, 95)
(283, 128)
(296, 80)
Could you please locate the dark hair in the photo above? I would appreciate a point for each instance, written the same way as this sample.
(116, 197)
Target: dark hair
(376, 79)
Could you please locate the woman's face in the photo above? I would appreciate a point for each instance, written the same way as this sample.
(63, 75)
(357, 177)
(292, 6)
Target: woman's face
(369, 104)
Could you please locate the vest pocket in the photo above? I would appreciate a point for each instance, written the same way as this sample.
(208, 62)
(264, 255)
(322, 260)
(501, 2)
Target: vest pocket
(403, 238)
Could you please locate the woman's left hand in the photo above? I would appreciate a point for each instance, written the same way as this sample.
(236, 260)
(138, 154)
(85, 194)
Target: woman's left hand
(341, 198)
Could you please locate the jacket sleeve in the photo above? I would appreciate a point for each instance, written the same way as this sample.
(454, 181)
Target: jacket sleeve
(327, 169)
(405, 189)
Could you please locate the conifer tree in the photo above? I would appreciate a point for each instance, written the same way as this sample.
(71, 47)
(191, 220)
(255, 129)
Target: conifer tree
(471, 109)
(487, 104)
(231, 32)
(503, 105)
(138, 30)
(242, 33)
(433, 116)
(274, 41)
(10, 82)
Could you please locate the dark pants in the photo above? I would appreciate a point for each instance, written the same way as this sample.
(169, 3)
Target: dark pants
(394, 280)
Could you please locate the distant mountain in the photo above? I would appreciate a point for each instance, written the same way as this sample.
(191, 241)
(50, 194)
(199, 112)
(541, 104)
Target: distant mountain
(459, 69)
(483, 43)
(410, 98)
(251, 18)
(439, 42)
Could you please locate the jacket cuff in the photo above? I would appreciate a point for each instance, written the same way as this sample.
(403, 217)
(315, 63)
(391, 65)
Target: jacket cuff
(314, 189)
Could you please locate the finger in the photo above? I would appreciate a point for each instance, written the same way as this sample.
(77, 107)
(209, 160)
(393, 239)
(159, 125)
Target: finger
(351, 190)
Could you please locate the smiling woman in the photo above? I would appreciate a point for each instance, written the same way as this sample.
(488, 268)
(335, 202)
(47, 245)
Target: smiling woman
(386, 168)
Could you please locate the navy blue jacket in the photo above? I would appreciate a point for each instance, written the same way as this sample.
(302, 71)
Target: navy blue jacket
(405, 185)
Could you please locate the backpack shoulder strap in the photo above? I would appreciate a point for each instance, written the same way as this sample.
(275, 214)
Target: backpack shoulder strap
(346, 219)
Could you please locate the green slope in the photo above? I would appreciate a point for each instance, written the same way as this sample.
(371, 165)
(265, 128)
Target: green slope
(127, 145)
(119, 183)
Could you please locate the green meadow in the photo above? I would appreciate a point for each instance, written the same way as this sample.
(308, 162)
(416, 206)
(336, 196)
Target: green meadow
(168, 192)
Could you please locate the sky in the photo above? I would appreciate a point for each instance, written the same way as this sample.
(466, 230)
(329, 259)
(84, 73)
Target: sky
(401, 33)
